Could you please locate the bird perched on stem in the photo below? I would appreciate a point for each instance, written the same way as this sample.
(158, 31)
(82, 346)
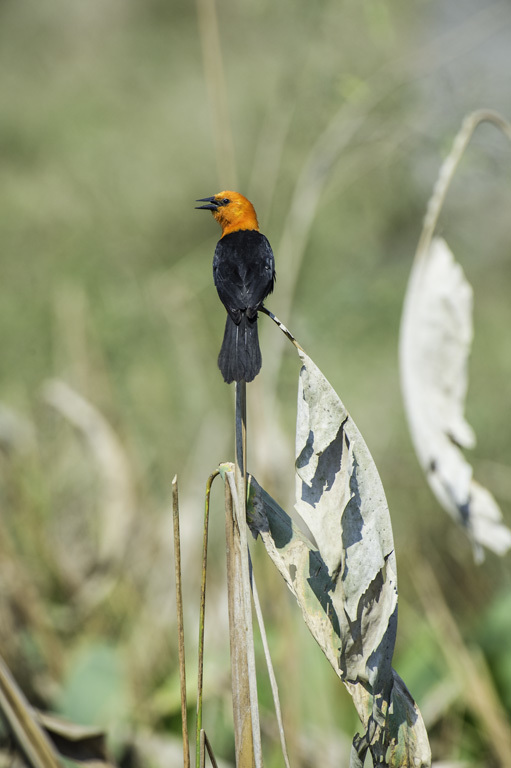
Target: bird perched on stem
(244, 274)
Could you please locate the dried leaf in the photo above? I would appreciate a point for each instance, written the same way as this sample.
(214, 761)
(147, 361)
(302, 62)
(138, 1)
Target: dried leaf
(344, 576)
(340, 497)
(83, 744)
(118, 509)
(436, 335)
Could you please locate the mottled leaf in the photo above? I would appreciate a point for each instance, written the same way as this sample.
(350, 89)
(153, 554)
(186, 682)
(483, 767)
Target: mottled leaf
(344, 575)
(436, 336)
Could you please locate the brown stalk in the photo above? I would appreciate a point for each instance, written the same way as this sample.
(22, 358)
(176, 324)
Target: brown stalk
(202, 614)
(242, 715)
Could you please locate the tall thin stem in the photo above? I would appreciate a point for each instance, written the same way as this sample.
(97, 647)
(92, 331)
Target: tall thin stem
(241, 443)
(241, 514)
(242, 719)
(214, 75)
(449, 167)
(180, 622)
(200, 671)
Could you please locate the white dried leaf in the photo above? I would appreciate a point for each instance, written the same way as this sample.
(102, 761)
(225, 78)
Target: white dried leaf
(436, 336)
(340, 497)
(344, 577)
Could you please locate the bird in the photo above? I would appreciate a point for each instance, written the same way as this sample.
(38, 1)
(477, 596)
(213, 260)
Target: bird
(244, 275)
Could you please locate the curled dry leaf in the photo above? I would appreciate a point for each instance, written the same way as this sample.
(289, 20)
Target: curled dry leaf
(436, 336)
(118, 507)
(344, 576)
(82, 744)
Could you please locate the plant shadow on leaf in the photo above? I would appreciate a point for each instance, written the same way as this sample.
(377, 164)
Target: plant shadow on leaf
(321, 585)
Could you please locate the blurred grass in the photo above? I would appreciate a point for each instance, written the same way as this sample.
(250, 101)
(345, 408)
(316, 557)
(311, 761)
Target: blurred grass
(106, 140)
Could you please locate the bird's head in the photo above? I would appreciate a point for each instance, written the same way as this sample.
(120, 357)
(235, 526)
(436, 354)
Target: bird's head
(232, 211)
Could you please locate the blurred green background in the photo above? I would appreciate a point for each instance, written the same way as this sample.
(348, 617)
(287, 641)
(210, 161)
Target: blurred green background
(333, 118)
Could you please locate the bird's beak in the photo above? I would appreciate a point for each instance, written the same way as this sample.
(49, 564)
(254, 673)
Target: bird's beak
(213, 204)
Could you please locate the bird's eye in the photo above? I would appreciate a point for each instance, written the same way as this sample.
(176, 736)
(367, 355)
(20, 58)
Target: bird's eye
(225, 201)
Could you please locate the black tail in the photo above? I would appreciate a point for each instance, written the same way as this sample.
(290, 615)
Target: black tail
(240, 356)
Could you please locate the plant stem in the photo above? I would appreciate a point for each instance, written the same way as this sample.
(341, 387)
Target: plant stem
(243, 623)
(200, 670)
(449, 167)
(241, 444)
(243, 740)
(180, 623)
(217, 90)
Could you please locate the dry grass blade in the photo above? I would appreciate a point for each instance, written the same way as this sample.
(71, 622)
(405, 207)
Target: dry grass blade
(271, 672)
(180, 623)
(303, 208)
(215, 79)
(20, 719)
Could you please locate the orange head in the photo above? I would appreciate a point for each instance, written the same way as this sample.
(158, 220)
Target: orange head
(232, 211)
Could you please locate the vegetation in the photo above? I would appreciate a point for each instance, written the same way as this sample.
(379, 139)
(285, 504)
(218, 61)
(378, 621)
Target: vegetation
(115, 118)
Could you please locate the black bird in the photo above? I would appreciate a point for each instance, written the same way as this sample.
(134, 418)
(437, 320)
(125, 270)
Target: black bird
(244, 275)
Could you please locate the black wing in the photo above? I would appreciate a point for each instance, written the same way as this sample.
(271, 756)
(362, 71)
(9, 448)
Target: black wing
(243, 271)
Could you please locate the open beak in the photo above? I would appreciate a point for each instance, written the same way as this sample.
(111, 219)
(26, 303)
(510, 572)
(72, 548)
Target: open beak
(213, 204)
